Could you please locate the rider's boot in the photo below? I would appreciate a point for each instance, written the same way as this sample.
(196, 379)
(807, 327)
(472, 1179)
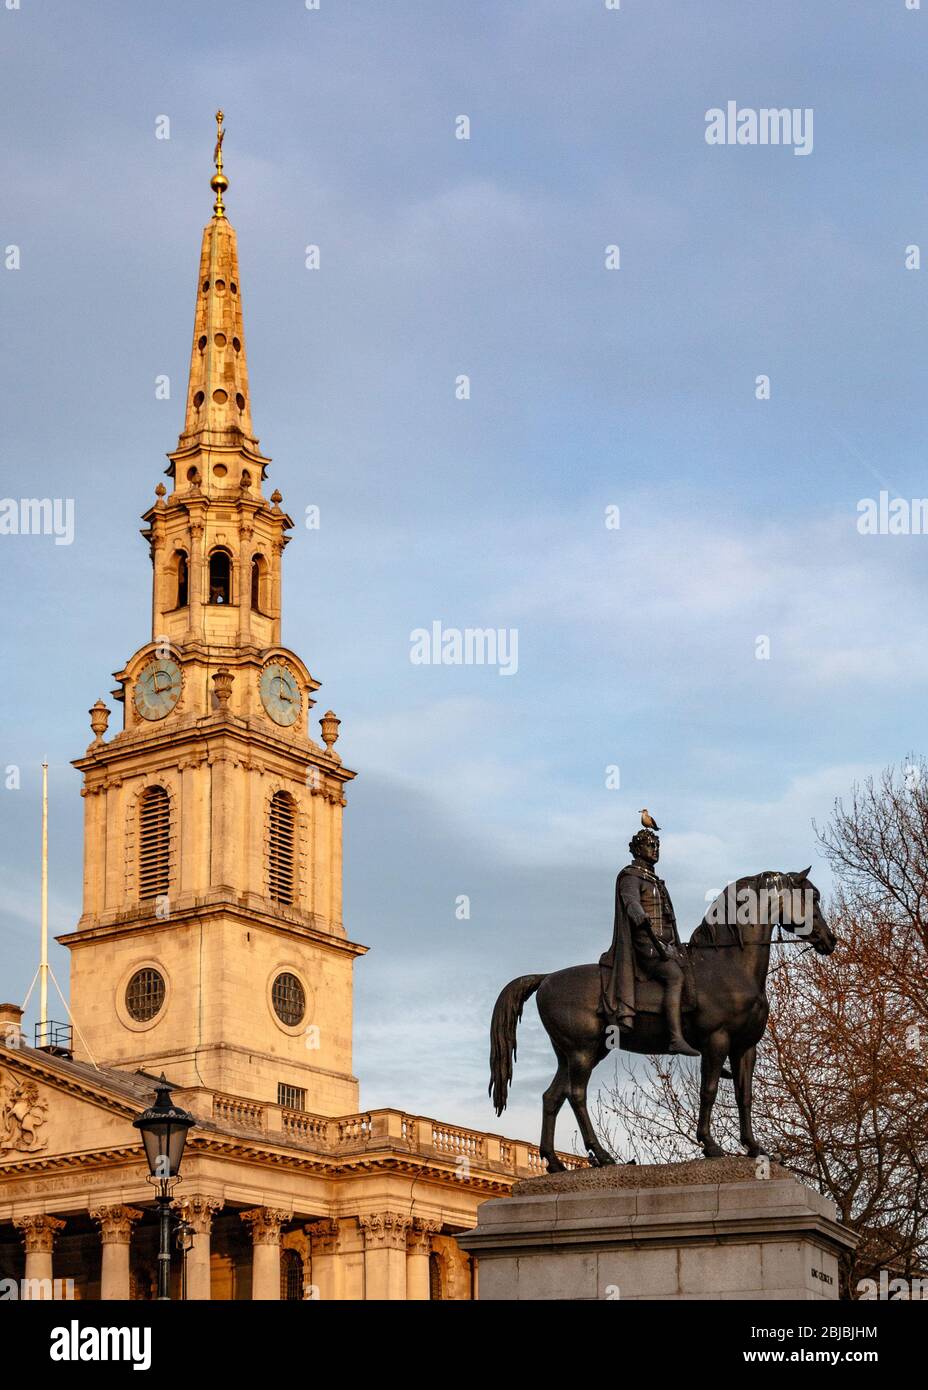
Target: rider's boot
(673, 996)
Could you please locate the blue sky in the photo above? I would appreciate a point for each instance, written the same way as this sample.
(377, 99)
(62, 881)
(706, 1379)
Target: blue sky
(589, 388)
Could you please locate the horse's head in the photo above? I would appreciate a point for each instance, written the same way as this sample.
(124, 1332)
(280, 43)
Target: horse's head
(800, 911)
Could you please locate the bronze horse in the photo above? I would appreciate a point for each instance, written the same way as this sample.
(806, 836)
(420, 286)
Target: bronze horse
(728, 956)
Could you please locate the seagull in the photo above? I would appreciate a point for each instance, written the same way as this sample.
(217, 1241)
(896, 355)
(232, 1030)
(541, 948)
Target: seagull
(647, 820)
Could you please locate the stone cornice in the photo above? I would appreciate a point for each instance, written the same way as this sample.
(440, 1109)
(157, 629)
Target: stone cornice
(175, 738)
(250, 916)
(326, 1166)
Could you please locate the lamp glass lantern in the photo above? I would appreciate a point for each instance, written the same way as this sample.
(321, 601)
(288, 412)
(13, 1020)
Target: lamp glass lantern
(163, 1127)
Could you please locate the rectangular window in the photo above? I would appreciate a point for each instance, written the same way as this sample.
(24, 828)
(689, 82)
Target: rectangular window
(291, 1097)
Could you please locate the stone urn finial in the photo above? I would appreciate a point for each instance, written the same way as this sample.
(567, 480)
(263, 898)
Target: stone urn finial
(99, 719)
(329, 725)
(277, 497)
(160, 492)
(222, 681)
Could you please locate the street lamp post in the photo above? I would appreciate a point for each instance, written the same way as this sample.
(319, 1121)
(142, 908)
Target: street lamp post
(184, 1236)
(163, 1127)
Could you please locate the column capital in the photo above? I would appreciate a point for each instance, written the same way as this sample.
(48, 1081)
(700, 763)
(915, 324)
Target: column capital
(384, 1230)
(323, 1236)
(265, 1223)
(198, 1211)
(115, 1223)
(38, 1232)
(419, 1235)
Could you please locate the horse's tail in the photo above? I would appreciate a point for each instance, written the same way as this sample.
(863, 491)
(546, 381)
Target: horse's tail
(507, 1012)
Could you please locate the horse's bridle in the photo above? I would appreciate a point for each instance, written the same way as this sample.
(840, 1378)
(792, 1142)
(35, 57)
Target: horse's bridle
(736, 927)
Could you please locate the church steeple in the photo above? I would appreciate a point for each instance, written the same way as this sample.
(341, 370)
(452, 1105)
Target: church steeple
(218, 404)
(216, 539)
(213, 830)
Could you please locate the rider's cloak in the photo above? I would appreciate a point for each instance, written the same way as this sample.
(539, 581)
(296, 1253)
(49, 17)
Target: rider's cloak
(621, 966)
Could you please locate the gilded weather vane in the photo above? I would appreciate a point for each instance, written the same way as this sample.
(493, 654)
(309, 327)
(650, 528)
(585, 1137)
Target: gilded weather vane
(219, 183)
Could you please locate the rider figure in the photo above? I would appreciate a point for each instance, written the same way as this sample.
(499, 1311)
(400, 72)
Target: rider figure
(645, 943)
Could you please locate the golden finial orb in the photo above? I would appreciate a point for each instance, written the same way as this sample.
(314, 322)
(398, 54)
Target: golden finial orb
(219, 183)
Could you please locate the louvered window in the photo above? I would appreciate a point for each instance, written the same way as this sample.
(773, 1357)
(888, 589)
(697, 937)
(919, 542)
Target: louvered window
(154, 842)
(282, 834)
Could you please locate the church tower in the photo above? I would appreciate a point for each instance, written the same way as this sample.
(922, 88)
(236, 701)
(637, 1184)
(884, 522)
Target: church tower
(211, 943)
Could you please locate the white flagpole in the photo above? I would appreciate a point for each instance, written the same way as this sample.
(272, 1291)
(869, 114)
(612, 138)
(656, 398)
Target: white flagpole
(43, 961)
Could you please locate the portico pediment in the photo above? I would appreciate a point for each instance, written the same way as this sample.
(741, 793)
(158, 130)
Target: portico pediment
(49, 1111)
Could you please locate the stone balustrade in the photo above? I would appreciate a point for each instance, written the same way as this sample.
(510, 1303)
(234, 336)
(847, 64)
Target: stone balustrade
(248, 1114)
(374, 1129)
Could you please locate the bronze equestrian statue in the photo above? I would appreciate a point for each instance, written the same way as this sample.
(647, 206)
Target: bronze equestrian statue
(714, 1002)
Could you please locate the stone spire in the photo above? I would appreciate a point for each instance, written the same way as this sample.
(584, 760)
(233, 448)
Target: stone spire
(218, 406)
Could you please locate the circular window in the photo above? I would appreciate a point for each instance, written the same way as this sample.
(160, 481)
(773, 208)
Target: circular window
(201, 342)
(289, 999)
(220, 286)
(237, 344)
(220, 396)
(205, 286)
(220, 340)
(240, 400)
(198, 400)
(144, 995)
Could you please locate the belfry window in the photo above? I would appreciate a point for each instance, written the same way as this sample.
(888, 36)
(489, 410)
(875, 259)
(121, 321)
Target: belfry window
(220, 577)
(183, 583)
(281, 847)
(258, 584)
(154, 842)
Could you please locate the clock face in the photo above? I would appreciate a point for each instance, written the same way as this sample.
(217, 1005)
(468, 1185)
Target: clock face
(157, 689)
(280, 694)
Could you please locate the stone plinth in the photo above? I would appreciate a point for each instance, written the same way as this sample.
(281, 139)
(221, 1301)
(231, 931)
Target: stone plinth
(711, 1229)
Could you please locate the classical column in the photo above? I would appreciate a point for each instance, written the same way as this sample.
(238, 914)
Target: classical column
(115, 1235)
(265, 1223)
(198, 1212)
(277, 549)
(39, 1240)
(114, 812)
(418, 1249)
(243, 592)
(196, 579)
(326, 1259)
(158, 604)
(384, 1254)
(225, 854)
